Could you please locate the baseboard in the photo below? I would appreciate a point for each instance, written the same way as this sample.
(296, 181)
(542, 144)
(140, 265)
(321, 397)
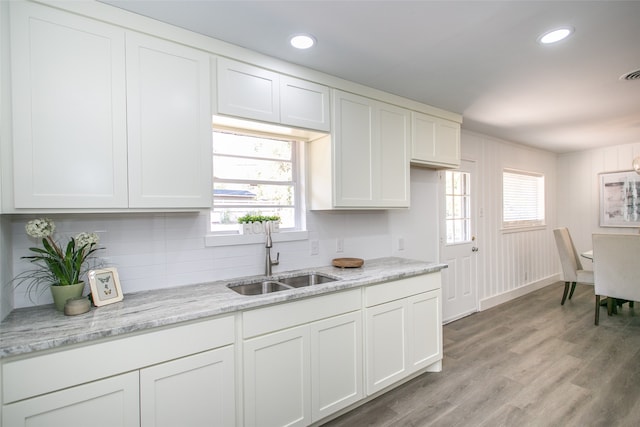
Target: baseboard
(495, 300)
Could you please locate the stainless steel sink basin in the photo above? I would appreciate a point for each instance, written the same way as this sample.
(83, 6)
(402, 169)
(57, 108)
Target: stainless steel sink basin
(259, 288)
(280, 284)
(309, 279)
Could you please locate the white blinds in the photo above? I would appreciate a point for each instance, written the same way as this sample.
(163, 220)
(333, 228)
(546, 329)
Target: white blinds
(523, 198)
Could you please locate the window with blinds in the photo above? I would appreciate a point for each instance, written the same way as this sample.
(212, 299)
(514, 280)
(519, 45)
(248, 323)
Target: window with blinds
(522, 199)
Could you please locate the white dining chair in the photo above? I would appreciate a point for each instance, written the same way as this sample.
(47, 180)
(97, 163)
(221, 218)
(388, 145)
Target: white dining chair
(616, 268)
(572, 270)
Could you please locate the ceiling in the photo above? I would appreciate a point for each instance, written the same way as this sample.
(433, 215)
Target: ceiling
(480, 59)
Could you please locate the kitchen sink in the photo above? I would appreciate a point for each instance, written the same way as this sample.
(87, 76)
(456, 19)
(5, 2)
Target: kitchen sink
(259, 288)
(280, 284)
(309, 279)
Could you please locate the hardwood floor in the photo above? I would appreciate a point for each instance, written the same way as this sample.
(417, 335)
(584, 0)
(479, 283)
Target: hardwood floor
(529, 362)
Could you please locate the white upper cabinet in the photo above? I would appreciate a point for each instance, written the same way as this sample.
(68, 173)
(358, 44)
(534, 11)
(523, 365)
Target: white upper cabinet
(435, 141)
(69, 116)
(169, 124)
(254, 93)
(248, 91)
(365, 162)
(304, 104)
(104, 121)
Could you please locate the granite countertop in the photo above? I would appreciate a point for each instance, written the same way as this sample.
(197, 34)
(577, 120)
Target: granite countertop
(32, 329)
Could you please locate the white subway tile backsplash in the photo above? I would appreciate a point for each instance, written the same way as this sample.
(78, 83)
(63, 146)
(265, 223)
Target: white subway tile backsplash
(160, 250)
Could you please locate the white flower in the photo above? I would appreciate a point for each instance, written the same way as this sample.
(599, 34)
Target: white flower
(84, 239)
(41, 227)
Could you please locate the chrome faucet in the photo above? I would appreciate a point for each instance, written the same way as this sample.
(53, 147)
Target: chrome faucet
(268, 262)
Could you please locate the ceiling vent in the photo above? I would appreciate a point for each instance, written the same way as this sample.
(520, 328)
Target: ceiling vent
(631, 75)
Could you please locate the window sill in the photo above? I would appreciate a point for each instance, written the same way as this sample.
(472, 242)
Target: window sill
(523, 228)
(214, 240)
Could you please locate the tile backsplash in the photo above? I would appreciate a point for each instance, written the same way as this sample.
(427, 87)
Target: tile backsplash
(159, 250)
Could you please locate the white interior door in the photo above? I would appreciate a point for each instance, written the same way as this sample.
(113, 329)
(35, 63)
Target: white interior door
(458, 242)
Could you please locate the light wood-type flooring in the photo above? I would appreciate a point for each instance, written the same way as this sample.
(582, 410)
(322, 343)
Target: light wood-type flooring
(528, 362)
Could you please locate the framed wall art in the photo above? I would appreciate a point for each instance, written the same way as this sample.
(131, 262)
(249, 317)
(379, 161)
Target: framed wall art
(619, 199)
(105, 286)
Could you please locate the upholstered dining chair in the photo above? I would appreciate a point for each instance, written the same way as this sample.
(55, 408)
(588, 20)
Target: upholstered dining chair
(572, 270)
(616, 269)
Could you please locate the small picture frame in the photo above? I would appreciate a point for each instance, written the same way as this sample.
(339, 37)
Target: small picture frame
(105, 286)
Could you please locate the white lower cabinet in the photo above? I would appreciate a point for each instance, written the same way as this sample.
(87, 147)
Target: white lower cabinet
(403, 323)
(196, 390)
(277, 382)
(336, 364)
(112, 402)
(308, 368)
(299, 363)
(178, 376)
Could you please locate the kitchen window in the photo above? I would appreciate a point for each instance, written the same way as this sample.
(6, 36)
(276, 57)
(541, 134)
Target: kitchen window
(257, 175)
(523, 199)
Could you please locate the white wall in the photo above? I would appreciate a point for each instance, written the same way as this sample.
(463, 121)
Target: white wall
(578, 192)
(516, 262)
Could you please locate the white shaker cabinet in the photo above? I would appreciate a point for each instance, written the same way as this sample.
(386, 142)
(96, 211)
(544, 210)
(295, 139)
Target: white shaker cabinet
(403, 324)
(248, 91)
(302, 360)
(277, 379)
(112, 402)
(304, 104)
(336, 364)
(182, 375)
(104, 118)
(364, 164)
(69, 110)
(196, 390)
(434, 141)
(169, 124)
(255, 93)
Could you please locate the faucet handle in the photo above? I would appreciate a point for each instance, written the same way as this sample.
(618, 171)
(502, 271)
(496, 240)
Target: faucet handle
(277, 261)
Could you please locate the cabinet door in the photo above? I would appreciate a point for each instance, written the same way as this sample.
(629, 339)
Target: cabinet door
(336, 364)
(196, 390)
(354, 150)
(277, 379)
(304, 104)
(424, 329)
(248, 91)
(69, 117)
(391, 166)
(434, 141)
(110, 402)
(386, 345)
(169, 124)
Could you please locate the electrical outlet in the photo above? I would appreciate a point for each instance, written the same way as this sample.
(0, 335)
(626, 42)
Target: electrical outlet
(314, 247)
(340, 245)
(401, 243)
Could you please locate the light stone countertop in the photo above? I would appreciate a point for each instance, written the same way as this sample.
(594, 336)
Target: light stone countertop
(32, 329)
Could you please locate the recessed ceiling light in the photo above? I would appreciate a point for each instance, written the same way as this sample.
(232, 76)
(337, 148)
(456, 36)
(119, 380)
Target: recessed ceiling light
(302, 41)
(556, 35)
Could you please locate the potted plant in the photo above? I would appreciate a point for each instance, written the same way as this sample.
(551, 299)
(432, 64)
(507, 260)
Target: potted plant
(56, 267)
(254, 224)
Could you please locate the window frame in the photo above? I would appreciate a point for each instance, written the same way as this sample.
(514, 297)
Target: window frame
(540, 220)
(464, 197)
(223, 238)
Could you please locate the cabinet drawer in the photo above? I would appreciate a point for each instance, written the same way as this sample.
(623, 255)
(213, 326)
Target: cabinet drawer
(268, 319)
(390, 291)
(45, 373)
